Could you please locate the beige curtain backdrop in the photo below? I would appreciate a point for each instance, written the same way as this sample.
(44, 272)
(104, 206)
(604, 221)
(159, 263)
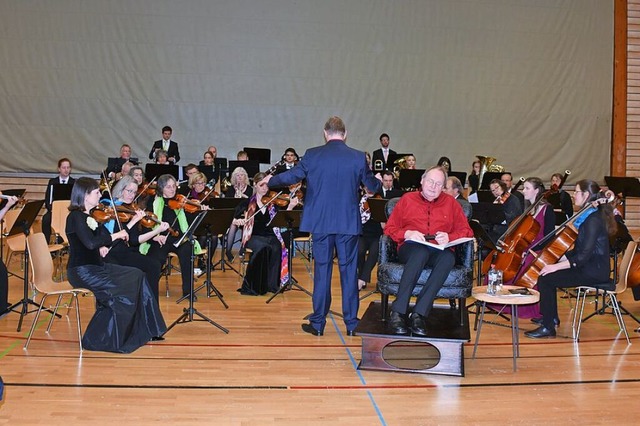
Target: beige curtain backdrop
(526, 81)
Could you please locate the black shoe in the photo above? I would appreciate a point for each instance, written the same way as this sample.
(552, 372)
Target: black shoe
(417, 324)
(541, 332)
(157, 338)
(351, 333)
(397, 323)
(538, 321)
(308, 328)
(229, 256)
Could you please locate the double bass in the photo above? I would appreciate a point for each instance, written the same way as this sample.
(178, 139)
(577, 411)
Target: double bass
(559, 242)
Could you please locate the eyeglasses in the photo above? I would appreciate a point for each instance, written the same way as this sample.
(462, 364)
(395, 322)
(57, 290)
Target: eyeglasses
(198, 183)
(129, 191)
(432, 182)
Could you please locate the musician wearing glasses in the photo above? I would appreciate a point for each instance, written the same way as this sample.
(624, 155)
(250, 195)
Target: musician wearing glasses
(417, 215)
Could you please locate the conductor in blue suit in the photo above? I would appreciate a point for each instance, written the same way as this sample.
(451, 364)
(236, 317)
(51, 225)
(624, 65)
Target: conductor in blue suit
(334, 173)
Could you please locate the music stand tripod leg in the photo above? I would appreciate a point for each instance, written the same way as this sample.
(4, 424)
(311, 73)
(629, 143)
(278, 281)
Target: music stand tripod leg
(211, 289)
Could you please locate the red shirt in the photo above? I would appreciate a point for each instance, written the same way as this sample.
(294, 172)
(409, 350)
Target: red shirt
(414, 212)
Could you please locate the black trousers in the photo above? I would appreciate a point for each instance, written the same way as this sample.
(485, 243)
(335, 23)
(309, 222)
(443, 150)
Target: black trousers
(370, 245)
(416, 257)
(4, 286)
(184, 257)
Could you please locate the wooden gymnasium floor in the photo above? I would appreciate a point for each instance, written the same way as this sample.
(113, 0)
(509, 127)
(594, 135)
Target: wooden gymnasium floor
(267, 371)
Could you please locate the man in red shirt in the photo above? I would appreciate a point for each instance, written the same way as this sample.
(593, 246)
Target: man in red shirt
(432, 213)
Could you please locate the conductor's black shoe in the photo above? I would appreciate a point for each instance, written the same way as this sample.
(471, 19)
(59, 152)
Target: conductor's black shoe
(308, 328)
(417, 324)
(397, 323)
(541, 332)
(351, 333)
(157, 338)
(538, 320)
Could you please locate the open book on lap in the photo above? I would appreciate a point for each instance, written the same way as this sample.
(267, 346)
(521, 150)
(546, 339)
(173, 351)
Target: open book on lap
(442, 246)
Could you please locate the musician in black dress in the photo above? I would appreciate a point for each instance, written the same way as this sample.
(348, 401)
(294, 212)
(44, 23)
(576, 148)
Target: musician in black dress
(127, 313)
(587, 263)
(266, 270)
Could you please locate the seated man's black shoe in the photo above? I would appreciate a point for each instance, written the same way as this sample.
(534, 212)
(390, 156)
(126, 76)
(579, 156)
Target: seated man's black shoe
(351, 333)
(538, 321)
(417, 324)
(397, 323)
(308, 328)
(541, 332)
(157, 338)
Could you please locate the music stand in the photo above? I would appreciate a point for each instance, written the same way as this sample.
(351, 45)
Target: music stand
(288, 219)
(188, 313)
(22, 225)
(462, 176)
(153, 171)
(209, 172)
(627, 186)
(378, 213)
(261, 155)
(410, 178)
(250, 166)
(488, 213)
(488, 177)
(225, 204)
(215, 222)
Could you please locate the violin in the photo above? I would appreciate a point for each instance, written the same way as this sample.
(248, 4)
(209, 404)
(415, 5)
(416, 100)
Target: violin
(148, 189)
(103, 214)
(149, 220)
(182, 202)
(281, 199)
(21, 201)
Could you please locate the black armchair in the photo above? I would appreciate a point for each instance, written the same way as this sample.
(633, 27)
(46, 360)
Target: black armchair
(457, 286)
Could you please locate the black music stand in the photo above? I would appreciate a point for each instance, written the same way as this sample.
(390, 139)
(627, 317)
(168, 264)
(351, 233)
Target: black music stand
(225, 204)
(261, 155)
(22, 225)
(188, 313)
(288, 219)
(378, 214)
(410, 178)
(215, 222)
(462, 176)
(154, 171)
(250, 166)
(488, 177)
(626, 186)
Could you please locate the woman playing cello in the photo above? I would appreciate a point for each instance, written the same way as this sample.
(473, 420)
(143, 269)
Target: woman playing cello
(586, 264)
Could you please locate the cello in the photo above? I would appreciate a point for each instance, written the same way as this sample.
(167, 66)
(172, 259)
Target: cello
(518, 238)
(559, 242)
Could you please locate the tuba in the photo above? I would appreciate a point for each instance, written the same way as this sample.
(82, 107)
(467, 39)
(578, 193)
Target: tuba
(487, 165)
(225, 184)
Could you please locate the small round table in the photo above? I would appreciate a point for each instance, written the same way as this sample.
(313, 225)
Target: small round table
(505, 297)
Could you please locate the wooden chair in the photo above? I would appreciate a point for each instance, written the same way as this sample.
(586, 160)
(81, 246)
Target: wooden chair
(610, 296)
(42, 272)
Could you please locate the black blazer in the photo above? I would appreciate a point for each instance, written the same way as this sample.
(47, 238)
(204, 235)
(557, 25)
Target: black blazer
(377, 155)
(171, 152)
(48, 192)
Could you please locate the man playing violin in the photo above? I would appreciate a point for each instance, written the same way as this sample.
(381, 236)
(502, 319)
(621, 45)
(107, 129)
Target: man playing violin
(161, 245)
(120, 253)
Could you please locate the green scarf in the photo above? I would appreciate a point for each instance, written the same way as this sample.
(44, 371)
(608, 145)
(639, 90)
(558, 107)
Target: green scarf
(158, 208)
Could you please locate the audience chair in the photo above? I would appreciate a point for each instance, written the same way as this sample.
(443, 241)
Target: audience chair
(42, 272)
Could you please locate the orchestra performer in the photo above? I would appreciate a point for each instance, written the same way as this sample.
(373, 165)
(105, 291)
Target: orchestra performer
(167, 145)
(239, 189)
(127, 314)
(410, 162)
(474, 177)
(116, 167)
(512, 208)
(334, 173)
(561, 200)
(124, 192)
(63, 178)
(161, 245)
(268, 266)
(587, 263)
(383, 157)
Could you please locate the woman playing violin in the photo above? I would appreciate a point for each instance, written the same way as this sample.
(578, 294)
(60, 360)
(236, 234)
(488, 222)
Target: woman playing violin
(4, 274)
(124, 193)
(586, 263)
(267, 267)
(127, 314)
(239, 189)
(198, 192)
(161, 245)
